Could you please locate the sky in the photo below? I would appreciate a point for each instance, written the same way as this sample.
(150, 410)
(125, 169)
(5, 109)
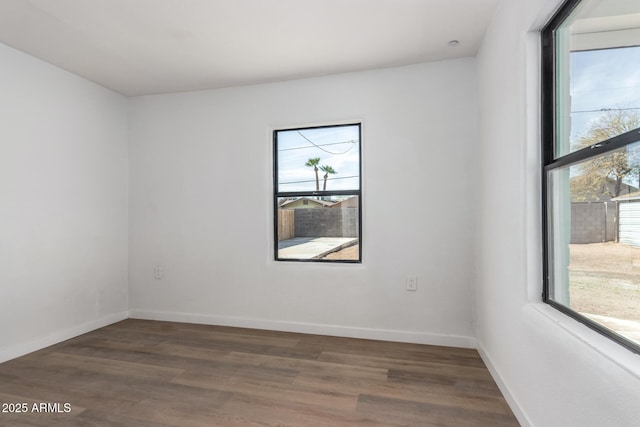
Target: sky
(602, 79)
(338, 147)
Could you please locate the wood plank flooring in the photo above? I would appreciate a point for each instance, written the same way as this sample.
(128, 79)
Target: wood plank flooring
(149, 374)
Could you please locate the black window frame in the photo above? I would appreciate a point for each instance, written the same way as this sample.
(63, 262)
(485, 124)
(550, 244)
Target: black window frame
(278, 194)
(550, 162)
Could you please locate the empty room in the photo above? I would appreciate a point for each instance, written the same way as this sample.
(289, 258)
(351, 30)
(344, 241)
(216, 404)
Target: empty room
(320, 213)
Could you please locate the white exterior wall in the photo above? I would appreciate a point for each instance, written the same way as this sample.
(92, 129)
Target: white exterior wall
(629, 223)
(553, 370)
(201, 206)
(63, 205)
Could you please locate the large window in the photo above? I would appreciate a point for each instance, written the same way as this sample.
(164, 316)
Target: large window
(591, 156)
(317, 197)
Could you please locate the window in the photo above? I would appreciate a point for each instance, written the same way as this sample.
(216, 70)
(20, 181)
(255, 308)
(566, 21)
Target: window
(591, 161)
(317, 194)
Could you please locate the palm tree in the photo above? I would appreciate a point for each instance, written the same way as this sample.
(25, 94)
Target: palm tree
(327, 170)
(314, 162)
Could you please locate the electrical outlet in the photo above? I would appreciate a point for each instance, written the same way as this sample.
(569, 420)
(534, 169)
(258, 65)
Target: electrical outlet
(412, 283)
(158, 272)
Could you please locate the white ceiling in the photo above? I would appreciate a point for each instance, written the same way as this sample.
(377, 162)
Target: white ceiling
(138, 47)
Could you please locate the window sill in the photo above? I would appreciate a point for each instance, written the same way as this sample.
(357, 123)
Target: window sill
(617, 354)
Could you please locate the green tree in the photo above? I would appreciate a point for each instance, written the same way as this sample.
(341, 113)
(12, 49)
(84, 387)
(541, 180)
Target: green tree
(328, 170)
(314, 162)
(596, 175)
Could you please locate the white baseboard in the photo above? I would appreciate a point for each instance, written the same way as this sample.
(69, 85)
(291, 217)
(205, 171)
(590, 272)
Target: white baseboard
(56, 337)
(506, 392)
(310, 328)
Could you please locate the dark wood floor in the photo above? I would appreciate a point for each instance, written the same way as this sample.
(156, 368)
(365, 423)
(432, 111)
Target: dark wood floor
(146, 373)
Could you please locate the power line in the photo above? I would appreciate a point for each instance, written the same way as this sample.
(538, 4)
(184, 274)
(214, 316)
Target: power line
(601, 110)
(313, 180)
(326, 151)
(319, 145)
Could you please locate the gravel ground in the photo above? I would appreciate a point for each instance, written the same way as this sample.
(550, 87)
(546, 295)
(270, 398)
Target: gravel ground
(605, 280)
(347, 253)
(604, 283)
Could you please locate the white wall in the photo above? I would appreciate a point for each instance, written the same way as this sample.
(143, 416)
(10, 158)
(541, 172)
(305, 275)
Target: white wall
(555, 371)
(63, 205)
(201, 206)
(449, 199)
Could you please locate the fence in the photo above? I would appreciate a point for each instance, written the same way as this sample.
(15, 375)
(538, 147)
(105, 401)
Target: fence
(286, 226)
(594, 222)
(317, 222)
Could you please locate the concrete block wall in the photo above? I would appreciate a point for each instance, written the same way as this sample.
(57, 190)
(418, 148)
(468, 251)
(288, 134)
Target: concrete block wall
(326, 222)
(593, 222)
